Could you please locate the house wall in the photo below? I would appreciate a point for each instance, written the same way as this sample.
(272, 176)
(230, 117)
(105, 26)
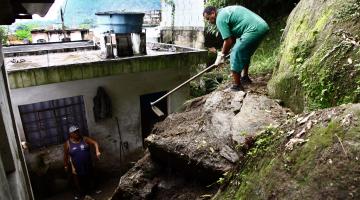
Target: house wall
(37, 36)
(75, 36)
(124, 91)
(187, 13)
(184, 36)
(123, 79)
(14, 181)
(55, 37)
(188, 23)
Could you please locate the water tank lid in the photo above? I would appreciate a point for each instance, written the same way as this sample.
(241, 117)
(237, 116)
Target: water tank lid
(119, 13)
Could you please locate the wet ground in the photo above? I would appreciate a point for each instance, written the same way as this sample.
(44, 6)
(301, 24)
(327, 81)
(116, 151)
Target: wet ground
(107, 187)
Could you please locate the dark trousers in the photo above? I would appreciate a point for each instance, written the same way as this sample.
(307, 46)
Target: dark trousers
(84, 184)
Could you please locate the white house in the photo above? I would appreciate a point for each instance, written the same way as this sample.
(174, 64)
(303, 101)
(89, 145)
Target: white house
(185, 26)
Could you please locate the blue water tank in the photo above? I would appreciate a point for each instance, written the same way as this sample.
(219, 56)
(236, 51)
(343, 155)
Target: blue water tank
(120, 22)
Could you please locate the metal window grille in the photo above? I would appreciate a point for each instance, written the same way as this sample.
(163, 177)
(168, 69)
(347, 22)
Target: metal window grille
(47, 123)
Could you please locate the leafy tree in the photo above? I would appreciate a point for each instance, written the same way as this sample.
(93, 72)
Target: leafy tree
(23, 31)
(3, 35)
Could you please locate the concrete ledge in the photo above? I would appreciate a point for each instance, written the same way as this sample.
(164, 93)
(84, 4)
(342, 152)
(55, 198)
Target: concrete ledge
(28, 77)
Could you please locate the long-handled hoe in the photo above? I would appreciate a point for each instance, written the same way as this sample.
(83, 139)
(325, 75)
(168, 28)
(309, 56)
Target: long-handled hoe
(157, 111)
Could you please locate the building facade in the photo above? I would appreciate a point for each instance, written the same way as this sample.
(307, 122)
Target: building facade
(49, 99)
(43, 36)
(182, 23)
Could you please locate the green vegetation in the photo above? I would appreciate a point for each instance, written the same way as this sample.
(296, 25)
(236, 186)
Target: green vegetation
(263, 61)
(23, 31)
(257, 164)
(322, 167)
(3, 35)
(266, 56)
(321, 57)
(350, 10)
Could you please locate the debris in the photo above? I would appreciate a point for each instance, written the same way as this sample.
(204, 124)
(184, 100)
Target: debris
(347, 120)
(294, 141)
(229, 154)
(206, 196)
(342, 146)
(302, 120)
(302, 132)
(87, 197)
(309, 125)
(290, 133)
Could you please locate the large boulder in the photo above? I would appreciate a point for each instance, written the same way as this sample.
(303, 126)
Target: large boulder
(204, 140)
(319, 60)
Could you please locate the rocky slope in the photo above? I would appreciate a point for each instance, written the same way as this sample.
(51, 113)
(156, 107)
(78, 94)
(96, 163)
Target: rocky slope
(311, 156)
(319, 62)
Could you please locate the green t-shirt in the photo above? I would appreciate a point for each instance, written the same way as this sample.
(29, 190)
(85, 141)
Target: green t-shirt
(237, 20)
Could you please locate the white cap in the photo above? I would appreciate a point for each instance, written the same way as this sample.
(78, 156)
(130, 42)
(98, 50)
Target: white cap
(73, 128)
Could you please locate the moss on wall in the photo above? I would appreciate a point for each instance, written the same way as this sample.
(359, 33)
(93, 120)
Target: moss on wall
(320, 53)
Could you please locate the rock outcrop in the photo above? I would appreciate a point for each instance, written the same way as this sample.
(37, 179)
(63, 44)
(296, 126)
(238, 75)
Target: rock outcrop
(313, 156)
(319, 62)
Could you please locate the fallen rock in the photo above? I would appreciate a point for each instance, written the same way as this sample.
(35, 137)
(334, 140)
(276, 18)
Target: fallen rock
(148, 180)
(203, 139)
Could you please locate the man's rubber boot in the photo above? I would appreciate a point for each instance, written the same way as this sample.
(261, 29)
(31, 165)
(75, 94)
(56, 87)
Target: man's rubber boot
(236, 88)
(246, 80)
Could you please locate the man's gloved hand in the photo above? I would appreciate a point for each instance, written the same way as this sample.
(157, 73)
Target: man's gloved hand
(220, 59)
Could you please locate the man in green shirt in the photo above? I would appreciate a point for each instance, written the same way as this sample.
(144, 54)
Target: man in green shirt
(242, 30)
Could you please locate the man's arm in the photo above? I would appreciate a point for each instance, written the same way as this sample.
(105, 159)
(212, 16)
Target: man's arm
(96, 145)
(228, 43)
(66, 155)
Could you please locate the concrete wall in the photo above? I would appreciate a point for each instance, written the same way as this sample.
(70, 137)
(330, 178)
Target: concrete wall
(75, 35)
(188, 23)
(38, 36)
(124, 91)
(123, 79)
(14, 181)
(187, 13)
(184, 36)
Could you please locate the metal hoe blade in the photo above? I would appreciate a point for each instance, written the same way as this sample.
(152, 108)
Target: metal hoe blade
(157, 111)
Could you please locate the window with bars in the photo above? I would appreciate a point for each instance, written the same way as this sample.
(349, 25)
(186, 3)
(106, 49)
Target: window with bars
(47, 123)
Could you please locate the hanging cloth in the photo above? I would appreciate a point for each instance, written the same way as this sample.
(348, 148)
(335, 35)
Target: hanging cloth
(102, 105)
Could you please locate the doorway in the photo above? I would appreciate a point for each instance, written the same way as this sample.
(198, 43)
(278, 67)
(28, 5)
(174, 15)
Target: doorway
(148, 117)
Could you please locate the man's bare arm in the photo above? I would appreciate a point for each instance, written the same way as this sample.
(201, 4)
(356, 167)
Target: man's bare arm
(96, 145)
(228, 43)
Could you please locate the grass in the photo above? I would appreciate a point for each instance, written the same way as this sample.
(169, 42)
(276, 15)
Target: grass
(265, 58)
(263, 61)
